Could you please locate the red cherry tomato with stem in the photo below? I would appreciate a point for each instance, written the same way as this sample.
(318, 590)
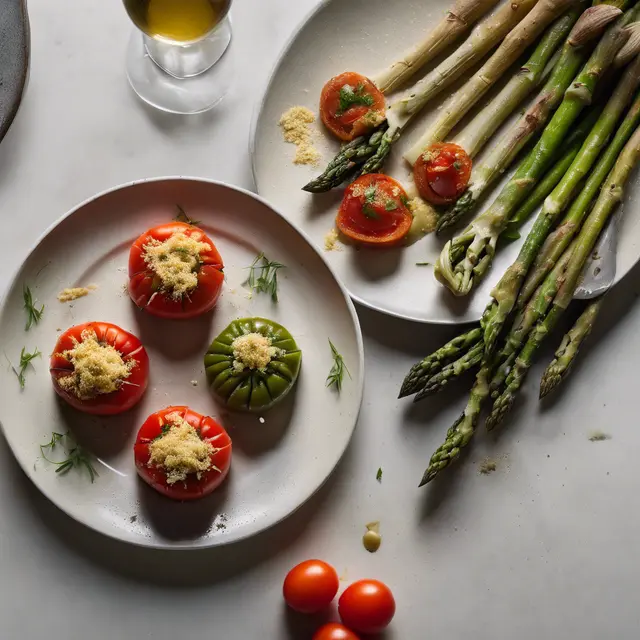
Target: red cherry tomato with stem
(374, 211)
(351, 105)
(334, 631)
(442, 173)
(367, 606)
(310, 586)
(145, 287)
(129, 347)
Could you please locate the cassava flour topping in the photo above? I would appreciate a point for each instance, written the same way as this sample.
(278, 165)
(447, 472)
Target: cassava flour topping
(176, 262)
(252, 351)
(73, 293)
(295, 126)
(98, 368)
(180, 451)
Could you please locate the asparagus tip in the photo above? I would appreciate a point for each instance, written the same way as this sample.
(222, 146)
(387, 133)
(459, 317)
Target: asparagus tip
(592, 22)
(631, 48)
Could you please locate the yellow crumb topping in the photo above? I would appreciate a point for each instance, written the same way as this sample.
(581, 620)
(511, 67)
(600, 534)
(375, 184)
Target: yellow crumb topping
(252, 351)
(332, 241)
(98, 368)
(425, 217)
(180, 450)
(73, 293)
(295, 126)
(176, 262)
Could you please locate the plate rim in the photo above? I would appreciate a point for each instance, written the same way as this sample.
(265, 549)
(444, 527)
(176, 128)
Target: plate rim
(256, 117)
(222, 542)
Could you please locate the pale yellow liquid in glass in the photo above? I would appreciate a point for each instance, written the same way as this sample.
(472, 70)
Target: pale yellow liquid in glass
(177, 20)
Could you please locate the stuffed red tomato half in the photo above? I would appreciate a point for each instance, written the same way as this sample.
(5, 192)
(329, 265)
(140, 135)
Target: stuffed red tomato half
(374, 211)
(99, 368)
(351, 105)
(442, 173)
(182, 454)
(175, 271)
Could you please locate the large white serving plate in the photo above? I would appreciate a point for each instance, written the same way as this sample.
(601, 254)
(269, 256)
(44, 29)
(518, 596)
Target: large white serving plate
(366, 36)
(280, 459)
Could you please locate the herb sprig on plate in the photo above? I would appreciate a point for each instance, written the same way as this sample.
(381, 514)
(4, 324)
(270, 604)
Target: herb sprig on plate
(263, 276)
(336, 375)
(25, 360)
(77, 456)
(34, 315)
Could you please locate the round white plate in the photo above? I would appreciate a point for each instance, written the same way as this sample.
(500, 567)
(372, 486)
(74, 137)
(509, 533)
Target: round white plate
(279, 459)
(366, 36)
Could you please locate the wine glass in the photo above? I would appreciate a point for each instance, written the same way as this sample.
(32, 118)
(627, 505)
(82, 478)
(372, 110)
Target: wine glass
(178, 63)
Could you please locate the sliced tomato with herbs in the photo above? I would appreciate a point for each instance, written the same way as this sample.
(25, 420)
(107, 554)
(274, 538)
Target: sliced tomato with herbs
(182, 454)
(99, 368)
(175, 271)
(310, 586)
(374, 211)
(334, 631)
(351, 105)
(442, 173)
(367, 606)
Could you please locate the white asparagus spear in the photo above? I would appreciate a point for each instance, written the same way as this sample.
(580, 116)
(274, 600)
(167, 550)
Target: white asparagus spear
(482, 39)
(458, 21)
(511, 49)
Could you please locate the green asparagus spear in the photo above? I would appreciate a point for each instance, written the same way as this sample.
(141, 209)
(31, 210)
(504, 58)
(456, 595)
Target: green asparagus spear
(462, 277)
(566, 354)
(559, 239)
(573, 55)
(421, 372)
(610, 196)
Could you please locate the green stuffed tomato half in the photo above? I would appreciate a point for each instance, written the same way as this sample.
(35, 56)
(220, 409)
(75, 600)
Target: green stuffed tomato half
(253, 364)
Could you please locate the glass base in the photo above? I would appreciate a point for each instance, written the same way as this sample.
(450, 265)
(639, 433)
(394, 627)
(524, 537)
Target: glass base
(183, 79)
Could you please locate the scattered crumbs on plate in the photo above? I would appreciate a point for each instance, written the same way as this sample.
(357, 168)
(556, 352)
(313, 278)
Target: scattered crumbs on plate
(332, 241)
(372, 539)
(599, 436)
(133, 519)
(194, 383)
(261, 420)
(344, 576)
(487, 466)
(220, 526)
(58, 329)
(295, 126)
(73, 293)
(125, 288)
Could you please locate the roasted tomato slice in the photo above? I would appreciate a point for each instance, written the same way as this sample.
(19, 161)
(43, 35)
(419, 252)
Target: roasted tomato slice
(442, 173)
(374, 211)
(99, 368)
(182, 454)
(175, 271)
(351, 105)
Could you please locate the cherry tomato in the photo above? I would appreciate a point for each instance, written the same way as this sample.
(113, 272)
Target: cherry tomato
(310, 586)
(192, 488)
(351, 105)
(129, 390)
(145, 286)
(367, 606)
(374, 211)
(334, 631)
(442, 173)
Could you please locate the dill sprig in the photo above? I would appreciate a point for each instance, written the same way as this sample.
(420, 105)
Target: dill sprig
(263, 276)
(34, 315)
(25, 361)
(183, 217)
(77, 456)
(336, 375)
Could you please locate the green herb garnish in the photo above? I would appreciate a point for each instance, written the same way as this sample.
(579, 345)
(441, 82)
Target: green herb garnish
(164, 429)
(423, 264)
(350, 97)
(370, 195)
(34, 315)
(336, 375)
(390, 205)
(379, 474)
(183, 217)
(404, 200)
(77, 456)
(263, 276)
(25, 361)
(457, 165)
